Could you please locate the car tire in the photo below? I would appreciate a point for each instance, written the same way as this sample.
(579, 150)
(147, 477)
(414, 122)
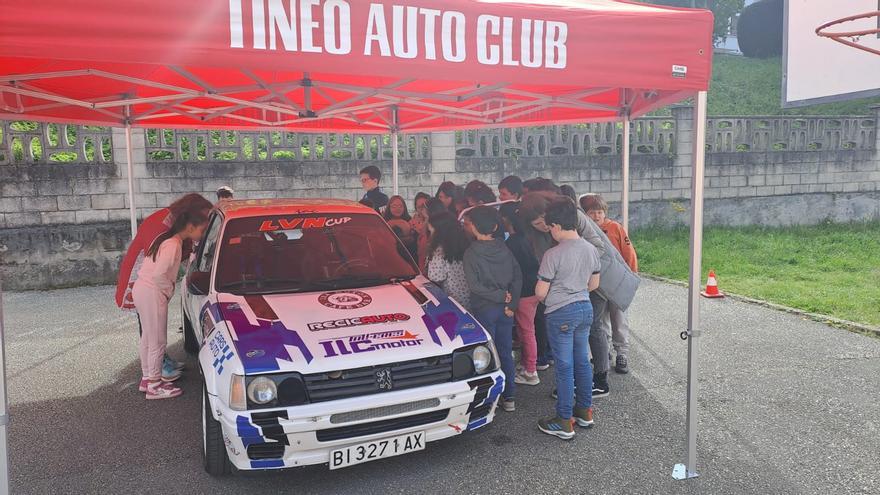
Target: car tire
(216, 460)
(190, 344)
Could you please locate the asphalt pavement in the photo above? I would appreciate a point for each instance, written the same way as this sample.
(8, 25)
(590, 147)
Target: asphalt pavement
(786, 405)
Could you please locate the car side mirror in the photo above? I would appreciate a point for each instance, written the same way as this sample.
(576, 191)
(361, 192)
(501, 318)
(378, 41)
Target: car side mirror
(199, 283)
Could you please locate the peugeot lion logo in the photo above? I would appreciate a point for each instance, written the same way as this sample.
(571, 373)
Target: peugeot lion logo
(383, 379)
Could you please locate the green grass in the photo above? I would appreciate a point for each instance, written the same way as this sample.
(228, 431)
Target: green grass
(748, 86)
(831, 269)
(743, 86)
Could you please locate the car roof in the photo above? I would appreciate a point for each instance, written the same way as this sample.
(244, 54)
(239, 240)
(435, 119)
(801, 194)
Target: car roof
(243, 208)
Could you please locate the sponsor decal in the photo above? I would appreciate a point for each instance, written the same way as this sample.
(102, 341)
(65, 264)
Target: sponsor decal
(358, 321)
(270, 336)
(207, 323)
(220, 350)
(345, 299)
(679, 71)
(302, 223)
(255, 353)
(230, 446)
(383, 379)
(446, 319)
(370, 342)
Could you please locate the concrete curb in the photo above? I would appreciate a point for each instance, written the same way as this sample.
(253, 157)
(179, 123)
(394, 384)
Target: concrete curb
(851, 326)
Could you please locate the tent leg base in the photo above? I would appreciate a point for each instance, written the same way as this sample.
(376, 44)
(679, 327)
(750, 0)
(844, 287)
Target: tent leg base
(680, 472)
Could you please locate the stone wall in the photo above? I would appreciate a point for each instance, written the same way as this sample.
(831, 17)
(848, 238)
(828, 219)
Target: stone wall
(65, 223)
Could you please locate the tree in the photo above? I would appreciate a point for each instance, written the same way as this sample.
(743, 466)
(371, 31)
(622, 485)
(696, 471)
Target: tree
(759, 30)
(724, 10)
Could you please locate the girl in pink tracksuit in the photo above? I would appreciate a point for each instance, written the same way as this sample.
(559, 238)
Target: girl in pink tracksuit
(151, 293)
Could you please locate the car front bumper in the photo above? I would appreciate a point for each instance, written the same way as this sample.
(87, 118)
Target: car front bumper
(307, 434)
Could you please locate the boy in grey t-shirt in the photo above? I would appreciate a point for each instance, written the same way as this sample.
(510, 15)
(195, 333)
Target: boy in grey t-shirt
(569, 271)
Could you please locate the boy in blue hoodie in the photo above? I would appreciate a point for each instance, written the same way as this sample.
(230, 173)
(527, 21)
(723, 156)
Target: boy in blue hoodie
(495, 281)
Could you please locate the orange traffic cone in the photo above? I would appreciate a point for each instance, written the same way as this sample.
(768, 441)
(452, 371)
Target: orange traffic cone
(712, 287)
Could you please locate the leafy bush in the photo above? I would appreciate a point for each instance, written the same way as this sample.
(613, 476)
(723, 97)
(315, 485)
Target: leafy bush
(759, 29)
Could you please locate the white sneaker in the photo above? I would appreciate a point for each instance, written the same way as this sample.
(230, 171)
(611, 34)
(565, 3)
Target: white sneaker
(526, 378)
(162, 390)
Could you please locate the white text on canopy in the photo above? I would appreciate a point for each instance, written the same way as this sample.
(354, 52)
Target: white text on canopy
(398, 31)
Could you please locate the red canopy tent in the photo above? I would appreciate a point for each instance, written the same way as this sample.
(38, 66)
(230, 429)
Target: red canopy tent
(349, 66)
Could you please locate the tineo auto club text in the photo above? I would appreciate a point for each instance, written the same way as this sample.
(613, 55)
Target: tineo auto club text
(370, 342)
(317, 26)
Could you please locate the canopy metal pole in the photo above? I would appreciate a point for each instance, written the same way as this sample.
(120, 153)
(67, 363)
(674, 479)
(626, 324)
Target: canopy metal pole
(624, 198)
(395, 159)
(4, 411)
(689, 469)
(131, 204)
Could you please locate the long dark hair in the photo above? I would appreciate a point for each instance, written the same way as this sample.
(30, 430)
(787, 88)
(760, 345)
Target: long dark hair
(389, 216)
(192, 216)
(447, 188)
(449, 235)
(419, 196)
(189, 202)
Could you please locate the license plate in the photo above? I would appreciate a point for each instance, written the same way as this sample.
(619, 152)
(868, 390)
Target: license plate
(379, 449)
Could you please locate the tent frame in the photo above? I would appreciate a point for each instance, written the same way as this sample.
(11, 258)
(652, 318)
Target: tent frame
(681, 471)
(485, 105)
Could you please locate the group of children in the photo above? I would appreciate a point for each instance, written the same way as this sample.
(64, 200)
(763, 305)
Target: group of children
(531, 264)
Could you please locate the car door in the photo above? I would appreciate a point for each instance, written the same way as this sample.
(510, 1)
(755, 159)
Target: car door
(201, 268)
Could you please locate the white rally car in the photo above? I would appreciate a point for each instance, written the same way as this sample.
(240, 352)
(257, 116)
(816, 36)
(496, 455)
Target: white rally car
(320, 342)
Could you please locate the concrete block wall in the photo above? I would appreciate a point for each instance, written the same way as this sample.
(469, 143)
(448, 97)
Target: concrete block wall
(64, 224)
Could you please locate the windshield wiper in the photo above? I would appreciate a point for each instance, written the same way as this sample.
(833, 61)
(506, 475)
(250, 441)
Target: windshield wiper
(361, 281)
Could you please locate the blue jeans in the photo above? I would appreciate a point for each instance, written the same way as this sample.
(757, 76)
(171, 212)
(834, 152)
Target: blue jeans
(500, 327)
(568, 329)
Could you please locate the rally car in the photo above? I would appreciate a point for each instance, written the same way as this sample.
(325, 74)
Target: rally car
(320, 342)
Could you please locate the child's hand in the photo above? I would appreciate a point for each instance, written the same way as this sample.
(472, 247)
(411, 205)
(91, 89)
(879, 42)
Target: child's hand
(508, 312)
(508, 298)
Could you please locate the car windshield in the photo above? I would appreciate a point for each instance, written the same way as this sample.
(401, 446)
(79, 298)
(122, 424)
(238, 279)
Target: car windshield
(310, 252)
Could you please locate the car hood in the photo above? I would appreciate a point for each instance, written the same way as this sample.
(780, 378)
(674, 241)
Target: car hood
(345, 329)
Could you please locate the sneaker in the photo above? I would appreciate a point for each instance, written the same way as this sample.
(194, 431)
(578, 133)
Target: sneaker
(177, 365)
(557, 427)
(526, 378)
(600, 385)
(170, 374)
(162, 390)
(142, 387)
(509, 405)
(554, 394)
(621, 366)
(583, 416)
(542, 366)
(520, 368)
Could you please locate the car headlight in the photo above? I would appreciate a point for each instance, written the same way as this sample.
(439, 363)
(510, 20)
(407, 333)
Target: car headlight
(262, 390)
(473, 361)
(482, 357)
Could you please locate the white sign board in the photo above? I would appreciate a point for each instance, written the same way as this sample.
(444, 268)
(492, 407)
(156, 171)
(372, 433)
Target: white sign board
(818, 69)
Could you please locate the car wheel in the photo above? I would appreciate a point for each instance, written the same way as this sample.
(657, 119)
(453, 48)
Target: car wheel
(190, 344)
(214, 455)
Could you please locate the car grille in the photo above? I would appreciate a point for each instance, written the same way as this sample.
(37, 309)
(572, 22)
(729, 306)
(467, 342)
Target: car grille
(384, 426)
(362, 381)
(381, 412)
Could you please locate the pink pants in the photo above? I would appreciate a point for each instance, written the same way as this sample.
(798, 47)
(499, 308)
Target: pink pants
(152, 308)
(525, 324)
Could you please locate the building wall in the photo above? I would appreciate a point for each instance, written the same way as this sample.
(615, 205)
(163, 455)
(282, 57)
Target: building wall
(65, 224)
